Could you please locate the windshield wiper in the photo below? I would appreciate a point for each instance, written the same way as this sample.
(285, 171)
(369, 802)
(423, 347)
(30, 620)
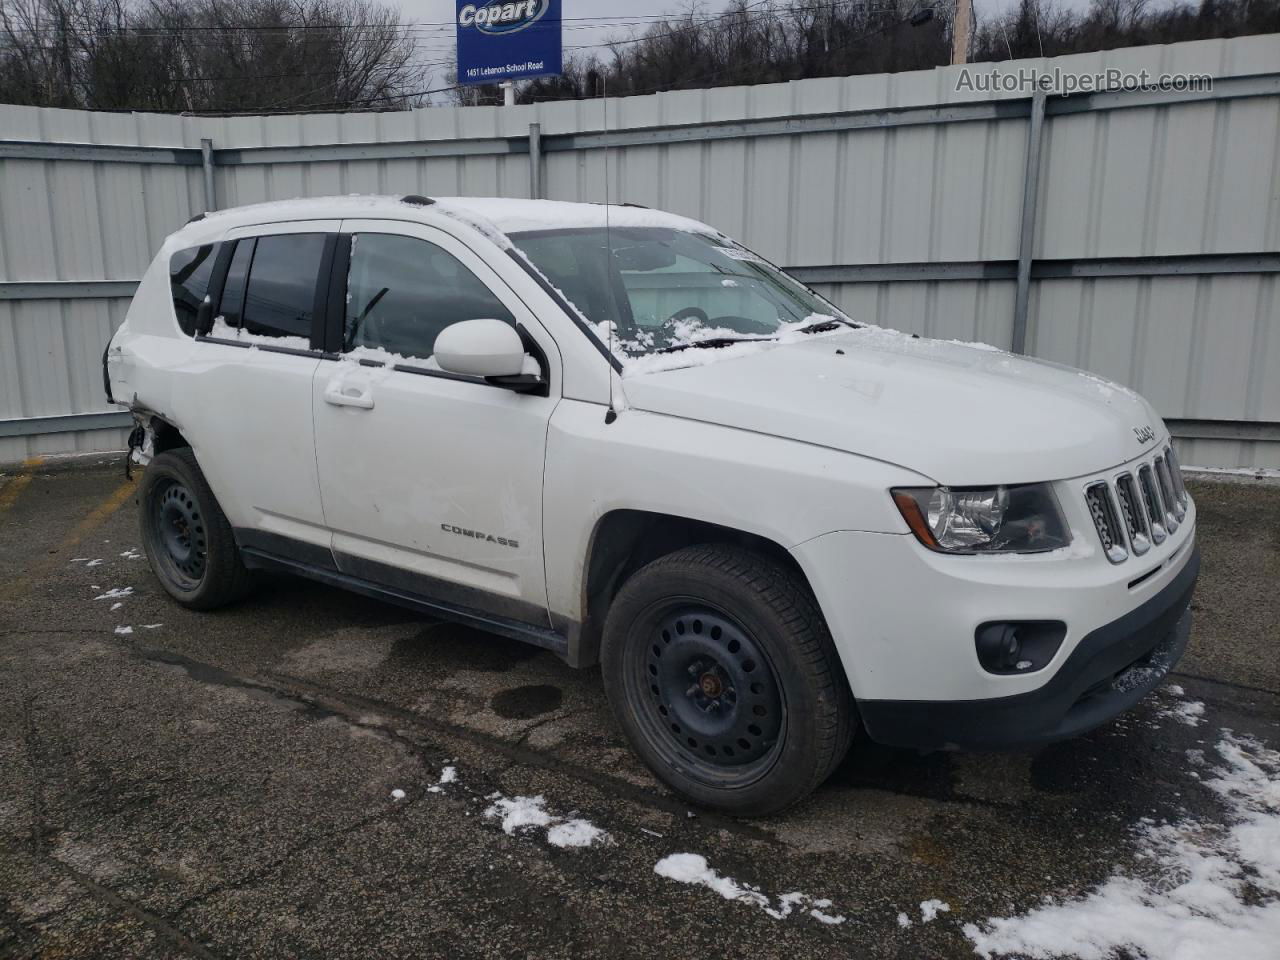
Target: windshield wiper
(830, 323)
(710, 343)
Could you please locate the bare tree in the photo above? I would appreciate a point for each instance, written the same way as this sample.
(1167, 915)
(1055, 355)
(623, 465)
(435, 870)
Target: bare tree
(1110, 24)
(206, 55)
(300, 55)
(750, 42)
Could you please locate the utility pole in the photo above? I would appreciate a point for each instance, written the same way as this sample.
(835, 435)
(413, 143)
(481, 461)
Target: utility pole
(961, 28)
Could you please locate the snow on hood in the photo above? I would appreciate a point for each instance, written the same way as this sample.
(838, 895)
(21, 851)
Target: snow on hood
(961, 414)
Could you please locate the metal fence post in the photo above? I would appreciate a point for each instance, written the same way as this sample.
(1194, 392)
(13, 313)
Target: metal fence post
(535, 160)
(1027, 234)
(206, 160)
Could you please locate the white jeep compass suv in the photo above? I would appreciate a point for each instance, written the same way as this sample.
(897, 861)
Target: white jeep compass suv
(619, 435)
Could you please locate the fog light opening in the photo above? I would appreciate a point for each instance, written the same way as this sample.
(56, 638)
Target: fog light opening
(999, 648)
(1018, 647)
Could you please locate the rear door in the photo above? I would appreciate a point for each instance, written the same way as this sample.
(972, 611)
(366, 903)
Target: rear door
(253, 376)
(431, 482)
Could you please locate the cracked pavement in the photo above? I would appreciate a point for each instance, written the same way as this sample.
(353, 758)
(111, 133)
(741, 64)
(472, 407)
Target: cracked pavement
(220, 785)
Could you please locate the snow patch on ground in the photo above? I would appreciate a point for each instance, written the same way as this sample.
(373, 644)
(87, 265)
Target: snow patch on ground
(115, 593)
(447, 775)
(930, 909)
(1198, 889)
(124, 631)
(529, 814)
(575, 833)
(1190, 712)
(691, 868)
(1258, 473)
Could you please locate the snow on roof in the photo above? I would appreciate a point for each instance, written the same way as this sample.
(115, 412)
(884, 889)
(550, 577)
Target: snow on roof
(516, 216)
(493, 216)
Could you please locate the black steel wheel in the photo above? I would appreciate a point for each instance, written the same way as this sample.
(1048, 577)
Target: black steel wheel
(711, 691)
(182, 546)
(187, 538)
(721, 672)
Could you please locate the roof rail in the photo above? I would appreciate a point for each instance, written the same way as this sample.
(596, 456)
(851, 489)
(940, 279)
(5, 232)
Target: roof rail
(416, 200)
(198, 216)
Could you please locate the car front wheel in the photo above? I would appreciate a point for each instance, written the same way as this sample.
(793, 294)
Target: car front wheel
(720, 669)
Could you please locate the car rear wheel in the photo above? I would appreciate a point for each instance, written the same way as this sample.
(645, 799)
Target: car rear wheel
(721, 671)
(186, 536)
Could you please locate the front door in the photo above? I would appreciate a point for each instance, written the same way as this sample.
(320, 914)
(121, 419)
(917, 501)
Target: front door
(431, 483)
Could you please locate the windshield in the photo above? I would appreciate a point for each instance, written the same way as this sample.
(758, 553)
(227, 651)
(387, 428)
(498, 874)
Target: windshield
(651, 289)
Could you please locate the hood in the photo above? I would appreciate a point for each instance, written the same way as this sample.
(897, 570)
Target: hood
(961, 414)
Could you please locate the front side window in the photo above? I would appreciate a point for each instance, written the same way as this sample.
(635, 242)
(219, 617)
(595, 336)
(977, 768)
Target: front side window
(650, 289)
(190, 271)
(402, 291)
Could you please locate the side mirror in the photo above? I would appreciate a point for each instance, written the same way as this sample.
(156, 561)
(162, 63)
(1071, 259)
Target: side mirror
(480, 348)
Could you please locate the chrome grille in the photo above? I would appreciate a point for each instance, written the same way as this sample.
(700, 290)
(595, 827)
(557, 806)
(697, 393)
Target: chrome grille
(1151, 498)
(1135, 518)
(1137, 510)
(1173, 512)
(1175, 474)
(1098, 496)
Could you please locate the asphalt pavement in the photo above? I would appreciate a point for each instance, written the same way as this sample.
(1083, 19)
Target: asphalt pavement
(316, 774)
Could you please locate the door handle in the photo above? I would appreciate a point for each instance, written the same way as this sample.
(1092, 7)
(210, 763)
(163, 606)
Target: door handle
(349, 395)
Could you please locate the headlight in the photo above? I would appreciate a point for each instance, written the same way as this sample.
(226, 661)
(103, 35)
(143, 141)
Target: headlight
(1018, 519)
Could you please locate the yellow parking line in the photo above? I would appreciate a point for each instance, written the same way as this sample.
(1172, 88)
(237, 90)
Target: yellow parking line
(13, 489)
(98, 515)
(92, 520)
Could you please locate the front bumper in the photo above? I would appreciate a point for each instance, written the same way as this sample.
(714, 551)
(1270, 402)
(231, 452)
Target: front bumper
(1108, 672)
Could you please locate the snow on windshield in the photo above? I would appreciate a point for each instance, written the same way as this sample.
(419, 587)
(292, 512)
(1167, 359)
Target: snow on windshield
(660, 297)
(637, 357)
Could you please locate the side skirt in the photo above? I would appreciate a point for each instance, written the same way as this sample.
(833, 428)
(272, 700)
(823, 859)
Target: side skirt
(547, 639)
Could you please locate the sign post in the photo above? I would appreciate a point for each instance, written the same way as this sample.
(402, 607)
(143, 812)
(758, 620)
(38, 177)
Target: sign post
(503, 41)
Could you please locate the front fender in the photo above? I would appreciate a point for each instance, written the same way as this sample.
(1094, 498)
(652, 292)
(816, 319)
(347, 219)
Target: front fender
(781, 490)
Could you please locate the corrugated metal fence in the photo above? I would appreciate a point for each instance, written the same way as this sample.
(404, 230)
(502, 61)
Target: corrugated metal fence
(1133, 233)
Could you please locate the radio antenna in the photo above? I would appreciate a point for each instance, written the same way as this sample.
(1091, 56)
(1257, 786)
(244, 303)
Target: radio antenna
(612, 413)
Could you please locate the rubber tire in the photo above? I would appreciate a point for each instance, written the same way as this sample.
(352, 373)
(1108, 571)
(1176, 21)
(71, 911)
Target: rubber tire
(225, 579)
(777, 607)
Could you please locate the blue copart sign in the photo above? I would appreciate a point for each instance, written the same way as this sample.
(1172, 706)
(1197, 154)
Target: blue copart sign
(507, 41)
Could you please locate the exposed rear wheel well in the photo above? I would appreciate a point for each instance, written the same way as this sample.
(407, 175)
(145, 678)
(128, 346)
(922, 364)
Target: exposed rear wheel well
(626, 540)
(167, 436)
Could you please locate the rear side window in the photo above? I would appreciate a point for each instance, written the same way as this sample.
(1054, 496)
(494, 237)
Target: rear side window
(402, 291)
(270, 289)
(237, 279)
(189, 273)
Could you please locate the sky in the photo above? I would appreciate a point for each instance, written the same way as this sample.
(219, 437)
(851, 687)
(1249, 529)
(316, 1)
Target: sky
(589, 22)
